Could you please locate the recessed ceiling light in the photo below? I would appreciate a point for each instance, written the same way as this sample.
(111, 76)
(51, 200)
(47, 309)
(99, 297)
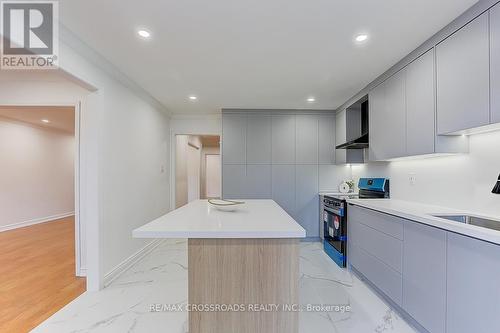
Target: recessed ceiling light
(144, 33)
(45, 121)
(361, 38)
(193, 98)
(311, 99)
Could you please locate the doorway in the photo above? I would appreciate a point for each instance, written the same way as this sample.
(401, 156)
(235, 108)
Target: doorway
(197, 168)
(40, 229)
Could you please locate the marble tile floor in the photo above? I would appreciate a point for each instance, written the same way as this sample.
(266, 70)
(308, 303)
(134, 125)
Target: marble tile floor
(161, 278)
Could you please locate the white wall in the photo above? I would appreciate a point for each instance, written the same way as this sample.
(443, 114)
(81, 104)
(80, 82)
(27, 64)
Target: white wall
(36, 175)
(462, 182)
(203, 180)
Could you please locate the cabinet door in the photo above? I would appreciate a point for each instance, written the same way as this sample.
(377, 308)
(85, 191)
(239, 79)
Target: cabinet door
(258, 181)
(495, 63)
(259, 139)
(388, 119)
(473, 290)
(234, 181)
(283, 139)
(340, 137)
(424, 275)
(420, 110)
(234, 131)
(307, 198)
(283, 187)
(306, 144)
(462, 63)
(326, 139)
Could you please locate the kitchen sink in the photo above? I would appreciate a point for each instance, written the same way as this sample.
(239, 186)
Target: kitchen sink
(472, 220)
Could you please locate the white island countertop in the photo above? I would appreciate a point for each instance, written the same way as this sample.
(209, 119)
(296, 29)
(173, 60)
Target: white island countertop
(423, 213)
(254, 219)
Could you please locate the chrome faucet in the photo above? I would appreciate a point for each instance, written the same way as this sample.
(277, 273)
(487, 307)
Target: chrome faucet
(496, 189)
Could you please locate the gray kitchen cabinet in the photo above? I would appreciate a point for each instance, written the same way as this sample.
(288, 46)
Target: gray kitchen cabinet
(306, 139)
(283, 139)
(326, 139)
(234, 181)
(462, 64)
(420, 106)
(424, 275)
(258, 181)
(388, 119)
(258, 139)
(307, 199)
(376, 249)
(234, 132)
(473, 290)
(283, 187)
(495, 63)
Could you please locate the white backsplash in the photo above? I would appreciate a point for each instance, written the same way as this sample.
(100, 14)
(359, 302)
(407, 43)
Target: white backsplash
(458, 181)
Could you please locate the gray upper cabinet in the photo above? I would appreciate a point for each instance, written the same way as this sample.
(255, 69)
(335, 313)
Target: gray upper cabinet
(420, 109)
(424, 275)
(283, 139)
(473, 290)
(495, 63)
(326, 139)
(306, 139)
(388, 119)
(259, 139)
(234, 131)
(234, 181)
(462, 63)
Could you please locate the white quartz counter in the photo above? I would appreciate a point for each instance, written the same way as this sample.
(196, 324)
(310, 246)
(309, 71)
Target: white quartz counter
(422, 213)
(254, 219)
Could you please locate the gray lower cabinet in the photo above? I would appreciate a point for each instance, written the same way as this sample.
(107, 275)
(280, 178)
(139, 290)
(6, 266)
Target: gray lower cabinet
(463, 76)
(258, 139)
(283, 139)
(283, 187)
(424, 275)
(495, 63)
(234, 132)
(473, 288)
(306, 198)
(376, 249)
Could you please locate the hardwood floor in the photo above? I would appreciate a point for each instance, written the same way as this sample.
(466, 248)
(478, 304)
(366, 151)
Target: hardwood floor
(37, 274)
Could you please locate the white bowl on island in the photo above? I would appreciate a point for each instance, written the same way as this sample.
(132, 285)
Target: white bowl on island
(225, 205)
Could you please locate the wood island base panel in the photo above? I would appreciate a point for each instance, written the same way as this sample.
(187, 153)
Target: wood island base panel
(260, 276)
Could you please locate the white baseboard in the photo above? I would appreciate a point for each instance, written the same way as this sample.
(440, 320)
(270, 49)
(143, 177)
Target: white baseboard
(130, 261)
(82, 272)
(34, 221)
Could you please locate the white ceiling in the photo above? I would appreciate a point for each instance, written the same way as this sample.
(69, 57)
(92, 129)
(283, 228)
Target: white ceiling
(255, 53)
(61, 118)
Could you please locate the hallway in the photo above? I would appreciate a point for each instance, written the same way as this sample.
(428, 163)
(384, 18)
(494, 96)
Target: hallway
(37, 273)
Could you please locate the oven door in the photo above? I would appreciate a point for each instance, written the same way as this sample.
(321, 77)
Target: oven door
(335, 235)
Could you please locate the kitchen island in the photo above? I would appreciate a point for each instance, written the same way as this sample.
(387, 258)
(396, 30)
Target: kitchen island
(243, 265)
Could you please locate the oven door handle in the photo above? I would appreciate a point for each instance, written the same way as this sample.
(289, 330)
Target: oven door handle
(338, 212)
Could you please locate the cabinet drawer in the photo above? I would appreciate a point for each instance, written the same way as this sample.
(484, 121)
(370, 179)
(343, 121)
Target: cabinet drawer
(378, 273)
(385, 223)
(380, 245)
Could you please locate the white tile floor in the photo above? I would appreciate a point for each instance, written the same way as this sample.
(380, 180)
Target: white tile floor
(161, 278)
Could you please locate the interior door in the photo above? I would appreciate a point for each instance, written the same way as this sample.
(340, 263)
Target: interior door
(212, 176)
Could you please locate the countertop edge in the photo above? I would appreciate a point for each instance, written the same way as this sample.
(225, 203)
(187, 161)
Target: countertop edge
(218, 234)
(480, 233)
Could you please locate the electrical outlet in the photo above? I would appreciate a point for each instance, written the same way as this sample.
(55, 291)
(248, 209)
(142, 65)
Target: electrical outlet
(412, 178)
